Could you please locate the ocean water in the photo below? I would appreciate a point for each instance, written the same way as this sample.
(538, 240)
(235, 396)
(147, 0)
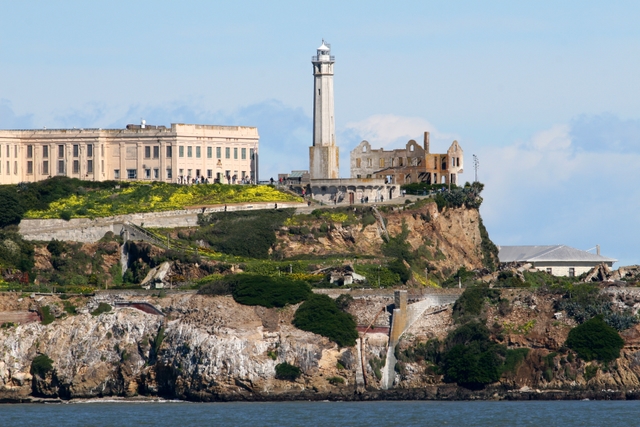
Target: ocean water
(423, 413)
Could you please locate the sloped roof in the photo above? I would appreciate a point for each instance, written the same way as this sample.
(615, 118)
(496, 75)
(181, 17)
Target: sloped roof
(548, 253)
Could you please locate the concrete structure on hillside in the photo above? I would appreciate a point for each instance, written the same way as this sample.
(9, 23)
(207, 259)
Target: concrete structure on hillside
(408, 165)
(181, 153)
(559, 260)
(323, 182)
(323, 155)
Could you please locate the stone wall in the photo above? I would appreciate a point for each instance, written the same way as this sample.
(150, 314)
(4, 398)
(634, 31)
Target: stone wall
(88, 230)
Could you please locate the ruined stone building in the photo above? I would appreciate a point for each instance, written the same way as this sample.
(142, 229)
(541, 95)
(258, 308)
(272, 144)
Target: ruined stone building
(414, 163)
(139, 152)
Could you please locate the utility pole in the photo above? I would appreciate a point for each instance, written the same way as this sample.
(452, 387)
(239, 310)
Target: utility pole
(476, 163)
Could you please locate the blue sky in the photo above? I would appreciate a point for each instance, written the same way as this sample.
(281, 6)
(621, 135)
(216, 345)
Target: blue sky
(544, 93)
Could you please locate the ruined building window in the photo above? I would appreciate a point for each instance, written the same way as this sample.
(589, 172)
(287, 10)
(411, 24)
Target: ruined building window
(364, 149)
(400, 161)
(358, 163)
(444, 163)
(453, 162)
(381, 164)
(369, 162)
(435, 163)
(411, 148)
(458, 161)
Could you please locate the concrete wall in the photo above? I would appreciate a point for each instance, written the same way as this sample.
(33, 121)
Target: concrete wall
(91, 230)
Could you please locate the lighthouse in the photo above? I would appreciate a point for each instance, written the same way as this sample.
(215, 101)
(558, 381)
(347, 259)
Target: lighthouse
(323, 154)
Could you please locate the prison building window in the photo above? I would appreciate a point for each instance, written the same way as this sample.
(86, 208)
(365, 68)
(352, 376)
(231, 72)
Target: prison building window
(209, 173)
(29, 167)
(45, 167)
(132, 173)
(197, 152)
(235, 153)
(181, 151)
(60, 167)
(116, 173)
(76, 166)
(227, 153)
(147, 152)
(189, 151)
(218, 153)
(169, 151)
(89, 150)
(61, 151)
(244, 154)
(89, 166)
(147, 173)
(29, 151)
(76, 150)
(209, 152)
(45, 151)
(169, 173)
(156, 151)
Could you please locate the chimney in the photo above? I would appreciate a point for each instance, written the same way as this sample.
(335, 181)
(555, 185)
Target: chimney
(598, 249)
(426, 142)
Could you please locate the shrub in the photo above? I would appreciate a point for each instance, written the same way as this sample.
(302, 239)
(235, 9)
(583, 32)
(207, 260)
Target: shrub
(56, 247)
(335, 380)
(266, 291)
(343, 301)
(103, 307)
(594, 339)
(218, 287)
(398, 267)
(321, 315)
(285, 371)
(45, 315)
(11, 210)
(41, 365)
(472, 301)
(513, 359)
(70, 308)
(590, 372)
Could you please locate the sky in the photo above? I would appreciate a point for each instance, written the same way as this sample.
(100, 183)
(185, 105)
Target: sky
(544, 93)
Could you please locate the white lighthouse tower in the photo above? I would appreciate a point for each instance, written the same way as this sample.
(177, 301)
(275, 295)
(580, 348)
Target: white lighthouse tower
(323, 155)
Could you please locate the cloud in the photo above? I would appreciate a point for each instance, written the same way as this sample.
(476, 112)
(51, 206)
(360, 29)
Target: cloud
(606, 133)
(562, 187)
(10, 120)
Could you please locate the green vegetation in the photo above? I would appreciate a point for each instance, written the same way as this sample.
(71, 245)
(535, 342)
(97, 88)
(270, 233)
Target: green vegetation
(457, 197)
(472, 301)
(76, 199)
(595, 340)
(513, 359)
(335, 380)
(285, 371)
(375, 273)
(321, 315)
(69, 308)
(103, 307)
(377, 363)
(157, 342)
(247, 233)
(11, 210)
(41, 365)
(489, 249)
(46, 315)
(344, 301)
(590, 372)
(266, 291)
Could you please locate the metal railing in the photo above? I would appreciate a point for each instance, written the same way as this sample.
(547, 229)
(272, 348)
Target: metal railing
(316, 58)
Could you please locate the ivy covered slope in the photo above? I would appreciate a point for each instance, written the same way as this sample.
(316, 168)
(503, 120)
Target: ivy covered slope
(71, 198)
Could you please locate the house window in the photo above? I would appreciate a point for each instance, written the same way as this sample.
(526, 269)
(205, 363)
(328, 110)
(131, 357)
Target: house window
(61, 151)
(156, 173)
(209, 152)
(244, 154)
(76, 166)
(89, 150)
(45, 167)
(218, 153)
(169, 175)
(197, 152)
(156, 151)
(147, 152)
(60, 167)
(572, 272)
(132, 173)
(116, 173)
(227, 153)
(169, 153)
(189, 151)
(45, 151)
(76, 150)
(549, 271)
(29, 151)
(181, 151)
(89, 166)
(235, 153)
(29, 167)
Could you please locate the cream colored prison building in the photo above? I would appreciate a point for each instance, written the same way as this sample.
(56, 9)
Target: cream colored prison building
(138, 152)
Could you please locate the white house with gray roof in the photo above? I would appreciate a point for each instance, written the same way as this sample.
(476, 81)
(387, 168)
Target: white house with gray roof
(559, 260)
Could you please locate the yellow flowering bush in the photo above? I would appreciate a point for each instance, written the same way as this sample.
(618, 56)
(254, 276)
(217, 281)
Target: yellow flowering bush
(155, 197)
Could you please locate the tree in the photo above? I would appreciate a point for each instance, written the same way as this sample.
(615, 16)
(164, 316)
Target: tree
(11, 210)
(594, 339)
